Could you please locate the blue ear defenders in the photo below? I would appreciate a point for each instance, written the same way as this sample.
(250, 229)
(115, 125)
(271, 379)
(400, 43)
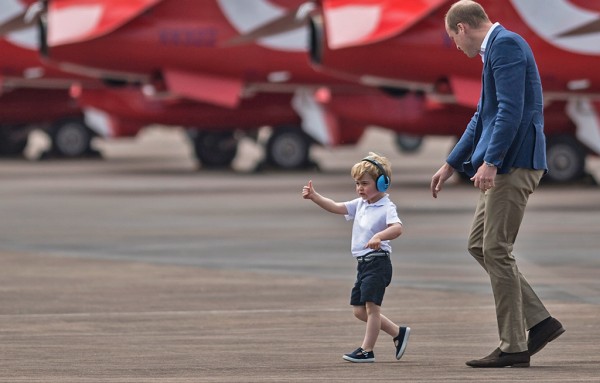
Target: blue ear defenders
(383, 181)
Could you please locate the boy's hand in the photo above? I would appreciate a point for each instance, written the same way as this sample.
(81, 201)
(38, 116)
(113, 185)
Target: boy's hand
(308, 191)
(374, 243)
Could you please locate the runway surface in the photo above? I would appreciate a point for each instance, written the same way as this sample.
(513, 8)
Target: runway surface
(139, 267)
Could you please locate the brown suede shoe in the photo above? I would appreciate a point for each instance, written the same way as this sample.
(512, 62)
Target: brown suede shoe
(502, 359)
(543, 333)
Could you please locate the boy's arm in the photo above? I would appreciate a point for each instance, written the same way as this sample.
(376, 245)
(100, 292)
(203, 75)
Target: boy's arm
(393, 231)
(308, 192)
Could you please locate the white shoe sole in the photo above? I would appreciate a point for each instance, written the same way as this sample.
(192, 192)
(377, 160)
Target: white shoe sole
(350, 359)
(404, 343)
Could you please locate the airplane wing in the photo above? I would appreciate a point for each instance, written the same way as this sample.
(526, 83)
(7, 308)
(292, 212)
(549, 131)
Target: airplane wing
(362, 22)
(223, 91)
(466, 90)
(71, 21)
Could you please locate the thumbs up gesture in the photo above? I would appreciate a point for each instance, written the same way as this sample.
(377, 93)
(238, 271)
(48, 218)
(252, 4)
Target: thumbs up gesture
(308, 191)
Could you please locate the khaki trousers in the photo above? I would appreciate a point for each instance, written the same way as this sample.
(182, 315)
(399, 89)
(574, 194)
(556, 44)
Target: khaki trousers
(495, 227)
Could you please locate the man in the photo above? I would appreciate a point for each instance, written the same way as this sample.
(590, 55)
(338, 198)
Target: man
(503, 150)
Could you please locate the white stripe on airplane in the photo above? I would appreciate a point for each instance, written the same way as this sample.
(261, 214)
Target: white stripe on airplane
(26, 38)
(547, 18)
(10, 9)
(551, 18)
(246, 15)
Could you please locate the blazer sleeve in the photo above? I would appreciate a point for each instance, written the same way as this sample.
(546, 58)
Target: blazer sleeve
(464, 147)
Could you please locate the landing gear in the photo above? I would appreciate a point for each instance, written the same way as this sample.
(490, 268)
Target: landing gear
(13, 141)
(288, 148)
(408, 143)
(565, 157)
(71, 138)
(214, 150)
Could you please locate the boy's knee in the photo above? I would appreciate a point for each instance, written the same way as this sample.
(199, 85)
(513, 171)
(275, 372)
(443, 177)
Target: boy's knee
(360, 312)
(372, 308)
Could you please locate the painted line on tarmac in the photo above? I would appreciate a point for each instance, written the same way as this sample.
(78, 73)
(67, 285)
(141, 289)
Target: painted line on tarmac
(214, 312)
(168, 313)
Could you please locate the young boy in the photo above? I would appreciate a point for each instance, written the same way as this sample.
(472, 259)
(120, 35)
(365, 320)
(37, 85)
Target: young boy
(376, 223)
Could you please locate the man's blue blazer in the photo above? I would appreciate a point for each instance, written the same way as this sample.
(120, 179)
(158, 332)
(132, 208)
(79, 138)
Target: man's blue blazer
(507, 129)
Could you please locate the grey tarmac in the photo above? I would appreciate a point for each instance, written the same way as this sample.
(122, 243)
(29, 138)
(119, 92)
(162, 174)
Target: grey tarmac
(140, 268)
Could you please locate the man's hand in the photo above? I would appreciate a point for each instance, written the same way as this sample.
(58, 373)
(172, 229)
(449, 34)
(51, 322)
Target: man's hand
(438, 179)
(485, 177)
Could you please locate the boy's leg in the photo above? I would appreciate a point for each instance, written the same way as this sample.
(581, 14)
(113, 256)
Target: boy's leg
(373, 326)
(387, 326)
(372, 279)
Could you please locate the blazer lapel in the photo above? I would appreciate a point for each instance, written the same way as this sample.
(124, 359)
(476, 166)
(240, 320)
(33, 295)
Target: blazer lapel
(479, 125)
(486, 60)
(488, 47)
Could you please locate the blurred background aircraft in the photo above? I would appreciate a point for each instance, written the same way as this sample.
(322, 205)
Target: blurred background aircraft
(222, 68)
(177, 63)
(33, 95)
(404, 45)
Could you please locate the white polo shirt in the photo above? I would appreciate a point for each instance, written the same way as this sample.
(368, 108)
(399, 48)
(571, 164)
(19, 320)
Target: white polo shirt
(370, 219)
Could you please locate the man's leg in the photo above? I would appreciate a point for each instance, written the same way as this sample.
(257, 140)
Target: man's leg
(500, 212)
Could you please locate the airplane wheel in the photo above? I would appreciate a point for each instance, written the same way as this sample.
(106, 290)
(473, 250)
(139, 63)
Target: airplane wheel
(288, 148)
(12, 144)
(566, 159)
(71, 138)
(408, 143)
(214, 149)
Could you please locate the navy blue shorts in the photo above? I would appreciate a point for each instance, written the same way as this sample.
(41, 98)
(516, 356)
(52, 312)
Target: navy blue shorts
(371, 280)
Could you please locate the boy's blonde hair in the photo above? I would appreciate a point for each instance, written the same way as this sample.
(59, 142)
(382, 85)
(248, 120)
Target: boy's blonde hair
(364, 167)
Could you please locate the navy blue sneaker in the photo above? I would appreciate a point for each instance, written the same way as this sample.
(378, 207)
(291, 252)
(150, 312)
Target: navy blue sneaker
(401, 341)
(360, 356)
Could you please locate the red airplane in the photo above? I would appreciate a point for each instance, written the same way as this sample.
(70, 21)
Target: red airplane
(117, 112)
(195, 64)
(404, 45)
(34, 96)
